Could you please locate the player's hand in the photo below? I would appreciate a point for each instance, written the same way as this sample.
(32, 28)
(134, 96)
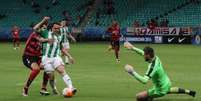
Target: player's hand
(46, 18)
(41, 66)
(74, 40)
(71, 60)
(129, 69)
(50, 41)
(128, 45)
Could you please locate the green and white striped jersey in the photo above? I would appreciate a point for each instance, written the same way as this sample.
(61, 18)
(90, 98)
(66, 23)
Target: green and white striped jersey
(65, 31)
(52, 50)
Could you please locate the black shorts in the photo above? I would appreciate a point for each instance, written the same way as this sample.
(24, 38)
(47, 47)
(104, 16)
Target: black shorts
(28, 60)
(115, 45)
(16, 40)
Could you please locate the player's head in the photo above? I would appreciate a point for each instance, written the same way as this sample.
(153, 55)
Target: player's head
(114, 23)
(15, 27)
(148, 53)
(56, 28)
(63, 22)
(44, 26)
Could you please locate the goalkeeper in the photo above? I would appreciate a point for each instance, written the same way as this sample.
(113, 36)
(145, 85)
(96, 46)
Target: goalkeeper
(155, 72)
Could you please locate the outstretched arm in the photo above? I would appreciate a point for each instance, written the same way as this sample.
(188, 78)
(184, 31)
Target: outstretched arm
(131, 71)
(41, 39)
(131, 47)
(66, 53)
(72, 38)
(38, 26)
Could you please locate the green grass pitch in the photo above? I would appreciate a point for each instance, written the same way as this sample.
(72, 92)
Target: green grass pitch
(98, 77)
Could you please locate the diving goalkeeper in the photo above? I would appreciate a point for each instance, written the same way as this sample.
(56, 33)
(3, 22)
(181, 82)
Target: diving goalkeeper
(155, 72)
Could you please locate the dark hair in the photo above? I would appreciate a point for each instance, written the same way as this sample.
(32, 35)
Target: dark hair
(49, 27)
(64, 19)
(149, 50)
(57, 23)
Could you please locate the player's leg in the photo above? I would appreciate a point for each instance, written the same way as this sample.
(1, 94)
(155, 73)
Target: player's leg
(43, 90)
(53, 83)
(34, 72)
(143, 96)
(18, 42)
(14, 43)
(58, 63)
(45, 81)
(35, 69)
(48, 68)
(178, 90)
(110, 47)
(152, 93)
(116, 49)
(67, 80)
(60, 69)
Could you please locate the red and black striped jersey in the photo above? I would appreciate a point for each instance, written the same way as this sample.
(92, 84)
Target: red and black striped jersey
(33, 46)
(15, 33)
(115, 34)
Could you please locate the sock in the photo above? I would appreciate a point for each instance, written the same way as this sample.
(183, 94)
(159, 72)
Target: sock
(45, 81)
(32, 76)
(52, 84)
(66, 59)
(177, 90)
(52, 81)
(67, 81)
(116, 54)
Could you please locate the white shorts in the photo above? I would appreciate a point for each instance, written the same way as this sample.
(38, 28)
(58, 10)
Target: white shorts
(50, 64)
(66, 45)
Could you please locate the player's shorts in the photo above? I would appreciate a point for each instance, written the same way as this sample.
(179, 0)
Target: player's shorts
(50, 64)
(158, 92)
(28, 60)
(66, 45)
(16, 39)
(115, 45)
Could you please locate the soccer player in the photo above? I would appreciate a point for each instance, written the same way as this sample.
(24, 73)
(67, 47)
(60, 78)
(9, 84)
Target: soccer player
(155, 72)
(66, 32)
(51, 59)
(16, 37)
(115, 38)
(31, 59)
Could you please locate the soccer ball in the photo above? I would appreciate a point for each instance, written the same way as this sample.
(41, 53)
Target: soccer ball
(67, 92)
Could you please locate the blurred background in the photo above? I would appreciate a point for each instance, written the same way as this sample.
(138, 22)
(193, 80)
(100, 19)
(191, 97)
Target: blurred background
(143, 21)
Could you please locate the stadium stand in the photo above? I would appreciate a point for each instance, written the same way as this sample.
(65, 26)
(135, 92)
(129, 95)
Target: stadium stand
(178, 12)
(23, 14)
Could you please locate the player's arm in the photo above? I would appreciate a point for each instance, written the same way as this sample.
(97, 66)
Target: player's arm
(132, 72)
(71, 37)
(66, 53)
(38, 26)
(41, 39)
(131, 47)
(12, 34)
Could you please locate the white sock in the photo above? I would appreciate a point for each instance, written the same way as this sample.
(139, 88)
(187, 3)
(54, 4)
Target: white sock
(66, 59)
(67, 81)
